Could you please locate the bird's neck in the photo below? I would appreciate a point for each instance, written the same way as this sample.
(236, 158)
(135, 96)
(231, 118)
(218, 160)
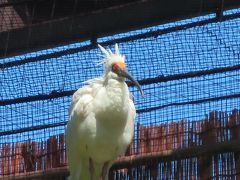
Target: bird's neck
(117, 92)
(113, 109)
(116, 88)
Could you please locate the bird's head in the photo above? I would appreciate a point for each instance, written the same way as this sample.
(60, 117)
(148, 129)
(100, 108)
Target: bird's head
(115, 66)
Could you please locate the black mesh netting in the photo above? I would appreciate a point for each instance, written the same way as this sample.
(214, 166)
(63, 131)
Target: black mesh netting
(189, 71)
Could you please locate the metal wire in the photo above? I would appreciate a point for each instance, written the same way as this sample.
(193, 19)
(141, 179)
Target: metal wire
(189, 71)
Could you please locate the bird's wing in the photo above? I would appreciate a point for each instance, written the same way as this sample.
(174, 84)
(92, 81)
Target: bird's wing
(132, 109)
(129, 129)
(79, 110)
(82, 93)
(131, 116)
(83, 96)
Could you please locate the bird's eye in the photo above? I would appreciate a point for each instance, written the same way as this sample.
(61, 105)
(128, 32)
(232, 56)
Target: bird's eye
(115, 68)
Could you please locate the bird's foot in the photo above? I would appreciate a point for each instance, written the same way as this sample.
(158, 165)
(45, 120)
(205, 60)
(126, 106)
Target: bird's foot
(105, 171)
(91, 169)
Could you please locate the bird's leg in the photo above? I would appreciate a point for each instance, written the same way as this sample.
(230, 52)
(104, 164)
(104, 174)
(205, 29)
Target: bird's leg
(105, 171)
(91, 169)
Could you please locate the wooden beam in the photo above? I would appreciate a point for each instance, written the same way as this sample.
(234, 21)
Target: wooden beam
(48, 174)
(184, 153)
(104, 22)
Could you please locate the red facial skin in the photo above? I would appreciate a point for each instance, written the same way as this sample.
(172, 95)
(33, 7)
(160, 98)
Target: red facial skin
(117, 66)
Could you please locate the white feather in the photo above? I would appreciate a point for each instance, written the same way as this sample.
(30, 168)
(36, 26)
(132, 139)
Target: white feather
(117, 49)
(104, 51)
(101, 123)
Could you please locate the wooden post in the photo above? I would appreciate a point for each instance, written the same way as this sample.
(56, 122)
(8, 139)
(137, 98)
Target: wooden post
(190, 136)
(147, 140)
(180, 134)
(38, 156)
(3, 160)
(153, 135)
(169, 136)
(12, 158)
(18, 157)
(49, 153)
(162, 137)
(55, 152)
(29, 155)
(7, 155)
(142, 140)
(208, 136)
(41, 155)
(153, 138)
(234, 126)
(62, 150)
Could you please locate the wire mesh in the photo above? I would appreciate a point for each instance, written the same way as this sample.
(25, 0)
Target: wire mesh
(190, 74)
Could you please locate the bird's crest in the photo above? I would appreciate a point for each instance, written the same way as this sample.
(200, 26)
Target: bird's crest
(109, 57)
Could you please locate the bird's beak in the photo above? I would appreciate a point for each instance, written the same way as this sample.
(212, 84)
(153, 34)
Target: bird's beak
(125, 73)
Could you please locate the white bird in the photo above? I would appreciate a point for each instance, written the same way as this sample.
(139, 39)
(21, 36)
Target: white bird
(101, 121)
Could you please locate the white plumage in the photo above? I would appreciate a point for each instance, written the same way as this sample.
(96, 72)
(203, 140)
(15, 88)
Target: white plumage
(101, 121)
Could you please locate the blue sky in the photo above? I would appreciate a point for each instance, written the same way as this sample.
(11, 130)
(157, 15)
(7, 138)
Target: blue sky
(199, 48)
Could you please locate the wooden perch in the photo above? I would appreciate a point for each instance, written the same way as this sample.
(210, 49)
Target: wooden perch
(130, 161)
(210, 149)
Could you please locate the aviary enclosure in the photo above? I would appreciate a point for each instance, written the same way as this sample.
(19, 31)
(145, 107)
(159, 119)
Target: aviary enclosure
(185, 54)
